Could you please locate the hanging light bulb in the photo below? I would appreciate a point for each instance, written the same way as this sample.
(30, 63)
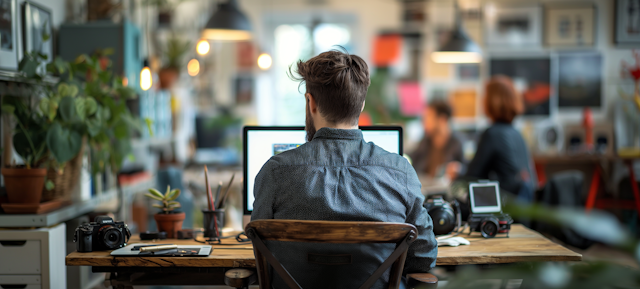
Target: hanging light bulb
(228, 23)
(264, 61)
(146, 81)
(203, 47)
(193, 67)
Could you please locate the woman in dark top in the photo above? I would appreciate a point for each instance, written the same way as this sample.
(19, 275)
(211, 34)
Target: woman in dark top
(502, 154)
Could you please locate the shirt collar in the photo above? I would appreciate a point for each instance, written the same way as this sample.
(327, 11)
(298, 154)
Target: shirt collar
(334, 133)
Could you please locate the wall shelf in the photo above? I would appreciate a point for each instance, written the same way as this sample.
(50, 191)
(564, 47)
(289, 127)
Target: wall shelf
(71, 211)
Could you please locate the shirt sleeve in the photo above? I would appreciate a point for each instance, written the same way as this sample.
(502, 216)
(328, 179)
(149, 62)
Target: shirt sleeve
(479, 166)
(422, 253)
(264, 192)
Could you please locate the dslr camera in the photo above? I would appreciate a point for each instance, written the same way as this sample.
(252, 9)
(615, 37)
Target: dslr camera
(103, 234)
(486, 210)
(445, 218)
(489, 225)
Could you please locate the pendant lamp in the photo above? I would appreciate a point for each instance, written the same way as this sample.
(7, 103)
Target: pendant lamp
(228, 23)
(460, 48)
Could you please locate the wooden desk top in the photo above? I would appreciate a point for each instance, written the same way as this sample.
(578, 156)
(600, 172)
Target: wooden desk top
(523, 245)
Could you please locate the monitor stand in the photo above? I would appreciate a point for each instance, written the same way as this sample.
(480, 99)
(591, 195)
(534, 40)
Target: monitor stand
(245, 220)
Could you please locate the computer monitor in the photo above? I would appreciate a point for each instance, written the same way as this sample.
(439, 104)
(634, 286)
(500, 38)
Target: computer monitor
(485, 197)
(261, 143)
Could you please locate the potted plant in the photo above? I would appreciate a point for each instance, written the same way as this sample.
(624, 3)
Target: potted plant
(167, 219)
(173, 54)
(38, 138)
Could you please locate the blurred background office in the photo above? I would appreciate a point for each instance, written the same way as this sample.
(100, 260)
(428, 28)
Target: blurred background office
(200, 70)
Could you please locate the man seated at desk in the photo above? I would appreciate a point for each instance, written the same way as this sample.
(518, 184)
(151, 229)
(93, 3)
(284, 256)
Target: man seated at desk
(337, 176)
(439, 155)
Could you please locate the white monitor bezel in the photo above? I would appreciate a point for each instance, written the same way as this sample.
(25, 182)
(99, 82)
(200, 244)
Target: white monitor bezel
(485, 209)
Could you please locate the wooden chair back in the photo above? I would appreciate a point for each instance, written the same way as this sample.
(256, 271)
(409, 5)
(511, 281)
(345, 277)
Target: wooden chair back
(330, 232)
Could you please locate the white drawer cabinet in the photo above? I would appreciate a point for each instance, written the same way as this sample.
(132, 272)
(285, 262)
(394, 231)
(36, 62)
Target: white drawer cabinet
(22, 256)
(34, 256)
(21, 281)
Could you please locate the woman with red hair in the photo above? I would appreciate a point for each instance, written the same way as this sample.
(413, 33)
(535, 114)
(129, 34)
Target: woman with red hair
(502, 154)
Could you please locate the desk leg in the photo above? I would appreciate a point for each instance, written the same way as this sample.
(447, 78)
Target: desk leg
(111, 280)
(634, 186)
(593, 189)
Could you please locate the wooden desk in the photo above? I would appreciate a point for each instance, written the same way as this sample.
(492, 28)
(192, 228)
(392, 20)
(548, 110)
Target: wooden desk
(523, 245)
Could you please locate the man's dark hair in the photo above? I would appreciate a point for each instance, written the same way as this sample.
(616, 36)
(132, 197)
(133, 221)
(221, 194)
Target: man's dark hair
(441, 107)
(338, 82)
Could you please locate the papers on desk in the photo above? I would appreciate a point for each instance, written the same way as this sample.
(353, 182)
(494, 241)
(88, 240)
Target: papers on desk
(133, 250)
(452, 241)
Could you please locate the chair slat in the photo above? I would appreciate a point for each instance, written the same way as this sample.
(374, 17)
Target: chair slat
(331, 231)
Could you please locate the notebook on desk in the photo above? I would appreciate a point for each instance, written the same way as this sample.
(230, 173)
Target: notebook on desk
(133, 250)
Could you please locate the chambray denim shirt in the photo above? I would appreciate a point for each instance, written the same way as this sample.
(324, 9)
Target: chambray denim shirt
(339, 177)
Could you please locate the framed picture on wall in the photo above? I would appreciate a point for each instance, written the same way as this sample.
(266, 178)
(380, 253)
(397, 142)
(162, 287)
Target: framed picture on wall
(580, 80)
(531, 78)
(627, 22)
(38, 32)
(570, 25)
(513, 25)
(8, 35)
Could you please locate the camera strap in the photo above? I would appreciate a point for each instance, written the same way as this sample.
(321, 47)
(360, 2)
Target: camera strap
(127, 234)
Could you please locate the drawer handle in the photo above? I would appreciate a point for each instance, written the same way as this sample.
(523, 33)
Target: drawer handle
(13, 286)
(13, 243)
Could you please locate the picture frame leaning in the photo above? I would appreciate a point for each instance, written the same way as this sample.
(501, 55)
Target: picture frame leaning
(9, 28)
(38, 31)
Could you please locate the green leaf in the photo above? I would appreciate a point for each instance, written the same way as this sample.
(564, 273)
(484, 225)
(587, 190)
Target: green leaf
(173, 206)
(91, 106)
(49, 185)
(68, 109)
(121, 130)
(149, 123)
(153, 197)
(8, 108)
(73, 90)
(63, 143)
(157, 194)
(81, 109)
(93, 126)
(157, 206)
(29, 65)
(44, 106)
(63, 89)
(174, 194)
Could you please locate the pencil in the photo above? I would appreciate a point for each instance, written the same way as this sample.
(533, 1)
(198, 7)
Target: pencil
(209, 195)
(226, 193)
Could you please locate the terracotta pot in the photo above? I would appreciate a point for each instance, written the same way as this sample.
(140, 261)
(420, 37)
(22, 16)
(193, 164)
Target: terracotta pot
(24, 186)
(168, 76)
(169, 223)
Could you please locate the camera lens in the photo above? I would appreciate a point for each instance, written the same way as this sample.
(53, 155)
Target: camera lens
(489, 228)
(111, 237)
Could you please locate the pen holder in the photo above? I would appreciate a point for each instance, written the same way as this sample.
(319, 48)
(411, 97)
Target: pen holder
(208, 223)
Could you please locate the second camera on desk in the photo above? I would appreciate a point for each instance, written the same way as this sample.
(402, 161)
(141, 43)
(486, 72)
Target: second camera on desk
(103, 234)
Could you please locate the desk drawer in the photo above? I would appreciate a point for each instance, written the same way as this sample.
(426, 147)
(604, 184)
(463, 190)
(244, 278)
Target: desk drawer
(20, 257)
(23, 281)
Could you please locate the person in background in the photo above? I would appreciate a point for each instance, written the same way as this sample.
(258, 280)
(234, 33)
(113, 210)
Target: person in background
(440, 151)
(502, 154)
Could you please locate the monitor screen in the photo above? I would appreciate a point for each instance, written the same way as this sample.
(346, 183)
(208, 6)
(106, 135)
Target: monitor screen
(261, 143)
(485, 197)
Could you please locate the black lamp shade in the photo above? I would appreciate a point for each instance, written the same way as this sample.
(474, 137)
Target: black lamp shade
(460, 42)
(227, 23)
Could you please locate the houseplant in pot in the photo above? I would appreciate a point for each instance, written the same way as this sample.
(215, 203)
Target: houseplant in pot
(167, 219)
(24, 182)
(173, 53)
